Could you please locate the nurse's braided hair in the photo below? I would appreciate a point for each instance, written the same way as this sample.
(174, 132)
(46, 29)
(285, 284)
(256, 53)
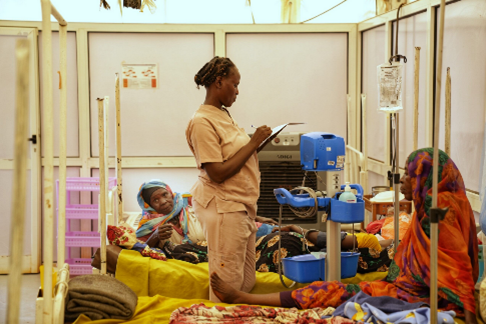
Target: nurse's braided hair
(218, 66)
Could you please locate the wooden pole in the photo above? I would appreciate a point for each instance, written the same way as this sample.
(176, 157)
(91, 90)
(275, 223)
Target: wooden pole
(448, 113)
(103, 168)
(118, 149)
(22, 53)
(416, 98)
(58, 16)
(48, 117)
(434, 226)
(60, 296)
(61, 221)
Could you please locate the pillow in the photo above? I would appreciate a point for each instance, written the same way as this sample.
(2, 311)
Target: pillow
(125, 237)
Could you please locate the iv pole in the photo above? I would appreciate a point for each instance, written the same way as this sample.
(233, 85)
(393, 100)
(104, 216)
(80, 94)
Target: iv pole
(436, 213)
(396, 169)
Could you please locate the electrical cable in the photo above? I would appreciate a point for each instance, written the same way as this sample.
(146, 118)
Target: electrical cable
(323, 12)
(251, 10)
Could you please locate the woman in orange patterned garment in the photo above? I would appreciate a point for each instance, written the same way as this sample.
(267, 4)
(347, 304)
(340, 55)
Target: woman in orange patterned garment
(409, 274)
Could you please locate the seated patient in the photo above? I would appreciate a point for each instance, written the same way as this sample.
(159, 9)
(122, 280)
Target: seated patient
(297, 241)
(167, 215)
(409, 274)
(164, 212)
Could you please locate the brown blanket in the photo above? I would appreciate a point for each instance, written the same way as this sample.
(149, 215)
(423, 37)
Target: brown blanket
(98, 297)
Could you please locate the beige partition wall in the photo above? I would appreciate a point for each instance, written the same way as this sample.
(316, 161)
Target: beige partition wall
(72, 94)
(154, 120)
(291, 77)
(373, 54)
(412, 32)
(464, 48)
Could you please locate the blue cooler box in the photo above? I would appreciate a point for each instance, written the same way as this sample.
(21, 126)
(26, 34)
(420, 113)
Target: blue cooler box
(306, 268)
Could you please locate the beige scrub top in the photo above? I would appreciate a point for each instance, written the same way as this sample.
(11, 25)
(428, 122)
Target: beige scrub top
(214, 136)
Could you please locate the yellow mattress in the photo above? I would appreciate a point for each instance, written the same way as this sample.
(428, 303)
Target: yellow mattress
(179, 279)
(163, 287)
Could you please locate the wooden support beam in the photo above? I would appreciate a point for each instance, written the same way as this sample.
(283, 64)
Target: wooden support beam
(103, 151)
(416, 98)
(61, 219)
(448, 113)
(119, 183)
(48, 118)
(22, 53)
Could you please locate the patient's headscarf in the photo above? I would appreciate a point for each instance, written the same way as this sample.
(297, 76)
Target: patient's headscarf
(458, 244)
(150, 219)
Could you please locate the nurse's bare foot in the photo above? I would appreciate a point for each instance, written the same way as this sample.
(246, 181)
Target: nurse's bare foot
(225, 292)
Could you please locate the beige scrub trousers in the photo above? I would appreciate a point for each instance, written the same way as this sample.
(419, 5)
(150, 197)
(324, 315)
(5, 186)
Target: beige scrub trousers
(227, 210)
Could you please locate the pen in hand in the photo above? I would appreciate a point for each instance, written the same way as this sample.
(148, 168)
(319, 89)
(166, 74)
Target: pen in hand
(253, 126)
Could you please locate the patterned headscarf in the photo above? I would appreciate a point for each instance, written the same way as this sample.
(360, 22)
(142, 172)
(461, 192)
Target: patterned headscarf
(150, 219)
(458, 245)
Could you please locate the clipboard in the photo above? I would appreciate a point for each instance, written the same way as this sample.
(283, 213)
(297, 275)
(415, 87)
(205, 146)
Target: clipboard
(275, 132)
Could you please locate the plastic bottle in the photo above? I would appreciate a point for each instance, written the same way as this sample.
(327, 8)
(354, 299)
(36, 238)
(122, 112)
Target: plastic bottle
(347, 196)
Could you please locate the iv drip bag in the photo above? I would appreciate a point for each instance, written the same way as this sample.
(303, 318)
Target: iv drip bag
(390, 79)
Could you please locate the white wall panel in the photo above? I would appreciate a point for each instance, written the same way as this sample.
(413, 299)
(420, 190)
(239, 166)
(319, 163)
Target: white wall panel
(6, 185)
(412, 33)
(7, 95)
(373, 54)
(72, 94)
(291, 78)
(464, 48)
(153, 121)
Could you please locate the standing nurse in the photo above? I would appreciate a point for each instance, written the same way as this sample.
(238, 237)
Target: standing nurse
(228, 185)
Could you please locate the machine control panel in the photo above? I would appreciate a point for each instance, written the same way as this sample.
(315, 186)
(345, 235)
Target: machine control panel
(286, 139)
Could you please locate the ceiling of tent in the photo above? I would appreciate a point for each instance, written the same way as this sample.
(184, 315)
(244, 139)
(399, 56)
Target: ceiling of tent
(196, 11)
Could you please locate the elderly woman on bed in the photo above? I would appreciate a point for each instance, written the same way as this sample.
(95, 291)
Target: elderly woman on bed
(409, 275)
(168, 215)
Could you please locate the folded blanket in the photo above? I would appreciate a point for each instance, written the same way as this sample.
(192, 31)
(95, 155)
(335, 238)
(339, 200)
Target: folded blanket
(252, 314)
(366, 313)
(99, 297)
(386, 304)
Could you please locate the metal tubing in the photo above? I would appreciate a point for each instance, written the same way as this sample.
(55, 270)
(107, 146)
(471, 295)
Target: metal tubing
(333, 257)
(333, 240)
(434, 236)
(396, 186)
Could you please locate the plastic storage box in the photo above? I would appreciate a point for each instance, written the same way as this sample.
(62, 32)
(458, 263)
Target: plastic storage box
(306, 268)
(90, 239)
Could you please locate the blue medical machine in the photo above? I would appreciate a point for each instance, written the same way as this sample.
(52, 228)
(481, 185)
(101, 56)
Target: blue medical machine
(323, 152)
